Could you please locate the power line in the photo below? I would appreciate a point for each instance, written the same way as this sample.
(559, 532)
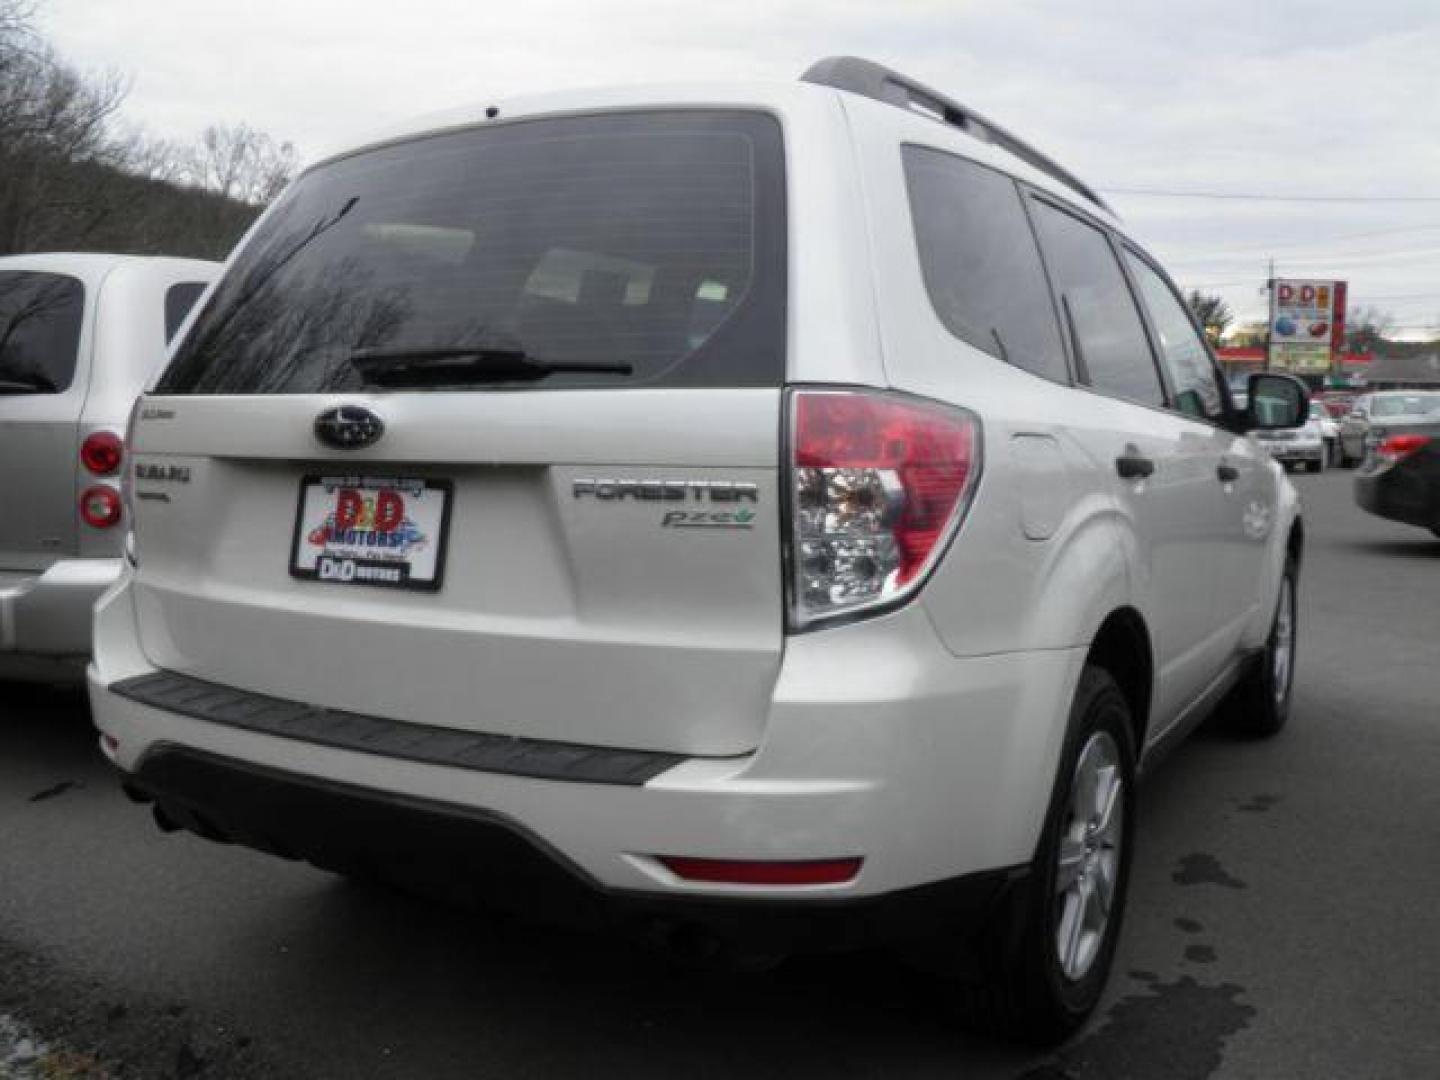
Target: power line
(1286, 245)
(1159, 193)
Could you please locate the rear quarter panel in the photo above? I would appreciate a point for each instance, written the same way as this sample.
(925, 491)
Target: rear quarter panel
(1038, 562)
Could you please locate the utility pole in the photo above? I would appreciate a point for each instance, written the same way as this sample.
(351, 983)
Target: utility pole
(1270, 320)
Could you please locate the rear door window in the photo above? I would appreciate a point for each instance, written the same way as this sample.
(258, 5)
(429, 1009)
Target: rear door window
(648, 241)
(1193, 379)
(980, 263)
(1111, 348)
(40, 319)
(179, 299)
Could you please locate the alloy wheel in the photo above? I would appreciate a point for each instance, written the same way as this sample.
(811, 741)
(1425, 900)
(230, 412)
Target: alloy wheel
(1088, 863)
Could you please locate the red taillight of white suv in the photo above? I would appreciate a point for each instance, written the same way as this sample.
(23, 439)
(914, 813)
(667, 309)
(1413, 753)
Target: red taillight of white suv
(879, 484)
(103, 455)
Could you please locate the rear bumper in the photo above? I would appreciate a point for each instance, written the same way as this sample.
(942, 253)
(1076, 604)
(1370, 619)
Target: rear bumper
(1296, 451)
(47, 615)
(879, 744)
(475, 855)
(1408, 492)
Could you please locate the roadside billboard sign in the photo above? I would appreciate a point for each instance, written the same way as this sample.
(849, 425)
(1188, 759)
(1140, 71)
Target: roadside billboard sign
(1306, 320)
(1300, 359)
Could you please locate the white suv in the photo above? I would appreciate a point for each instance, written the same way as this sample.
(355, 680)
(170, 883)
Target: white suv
(80, 336)
(773, 516)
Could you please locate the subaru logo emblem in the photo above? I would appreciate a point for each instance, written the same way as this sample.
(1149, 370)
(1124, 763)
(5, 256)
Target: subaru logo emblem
(348, 427)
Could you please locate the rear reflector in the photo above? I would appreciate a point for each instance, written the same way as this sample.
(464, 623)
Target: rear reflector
(102, 452)
(738, 872)
(100, 507)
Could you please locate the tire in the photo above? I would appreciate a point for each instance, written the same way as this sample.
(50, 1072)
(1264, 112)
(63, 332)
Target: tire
(1260, 705)
(1314, 466)
(1033, 989)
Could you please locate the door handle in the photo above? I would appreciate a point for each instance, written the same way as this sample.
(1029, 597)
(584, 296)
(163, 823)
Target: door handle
(1132, 465)
(1227, 474)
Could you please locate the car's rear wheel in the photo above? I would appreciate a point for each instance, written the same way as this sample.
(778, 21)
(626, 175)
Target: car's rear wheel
(1047, 955)
(1315, 466)
(1260, 704)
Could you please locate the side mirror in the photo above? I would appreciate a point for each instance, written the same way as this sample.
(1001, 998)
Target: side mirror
(1276, 401)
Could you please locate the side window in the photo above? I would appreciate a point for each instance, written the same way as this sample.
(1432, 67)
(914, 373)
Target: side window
(1192, 375)
(40, 320)
(1110, 343)
(980, 263)
(179, 299)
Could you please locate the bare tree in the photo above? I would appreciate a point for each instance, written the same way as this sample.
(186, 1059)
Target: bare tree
(52, 118)
(1213, 313)
(238, 162)
(1366, 327)
(72, 177)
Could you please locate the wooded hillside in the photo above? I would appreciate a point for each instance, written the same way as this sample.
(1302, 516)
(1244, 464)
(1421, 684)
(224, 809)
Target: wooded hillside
(72, 178)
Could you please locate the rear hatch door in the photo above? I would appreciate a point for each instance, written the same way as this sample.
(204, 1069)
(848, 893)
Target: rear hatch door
(481, 430)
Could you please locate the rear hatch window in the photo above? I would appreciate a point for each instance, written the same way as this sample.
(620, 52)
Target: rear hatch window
(40, 318)
(635, 249)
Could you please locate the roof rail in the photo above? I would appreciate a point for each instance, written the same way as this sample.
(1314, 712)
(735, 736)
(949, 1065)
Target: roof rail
(872, 80)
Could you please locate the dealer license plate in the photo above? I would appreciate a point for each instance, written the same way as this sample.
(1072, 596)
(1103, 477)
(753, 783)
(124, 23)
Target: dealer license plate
(371, 530)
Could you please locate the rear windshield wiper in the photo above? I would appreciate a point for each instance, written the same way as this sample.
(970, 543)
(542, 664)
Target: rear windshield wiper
(440, 365)
(17, 383)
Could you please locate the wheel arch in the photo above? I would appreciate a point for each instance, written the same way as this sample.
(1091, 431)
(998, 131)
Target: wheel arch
(1122, 647)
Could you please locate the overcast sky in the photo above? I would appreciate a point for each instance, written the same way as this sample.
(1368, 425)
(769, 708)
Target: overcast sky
(1326, 97)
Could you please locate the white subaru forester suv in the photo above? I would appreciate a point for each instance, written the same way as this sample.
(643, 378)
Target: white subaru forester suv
(770, 517)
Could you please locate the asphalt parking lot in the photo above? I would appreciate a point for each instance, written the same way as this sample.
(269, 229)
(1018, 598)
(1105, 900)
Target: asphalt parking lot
(1283, 918)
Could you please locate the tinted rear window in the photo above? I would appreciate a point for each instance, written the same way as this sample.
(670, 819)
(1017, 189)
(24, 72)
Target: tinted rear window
(179, 299)
(40, 318)
(981, 266)
(654, 240)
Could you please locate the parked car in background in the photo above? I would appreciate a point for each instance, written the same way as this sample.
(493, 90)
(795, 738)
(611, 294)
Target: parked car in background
(1400, 478)
(1374, 416)
(1303, 446)
(1336, 403)
(79, 337)
(744, 540)
(1329, 429)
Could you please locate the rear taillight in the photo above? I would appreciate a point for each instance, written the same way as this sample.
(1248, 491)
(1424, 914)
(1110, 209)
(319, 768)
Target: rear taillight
(1398, 447)
(879, 483)
(102, 453)
(100, 507)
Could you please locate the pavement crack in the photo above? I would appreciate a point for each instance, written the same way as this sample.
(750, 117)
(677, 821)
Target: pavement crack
(57, 789)
(1259, 804)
